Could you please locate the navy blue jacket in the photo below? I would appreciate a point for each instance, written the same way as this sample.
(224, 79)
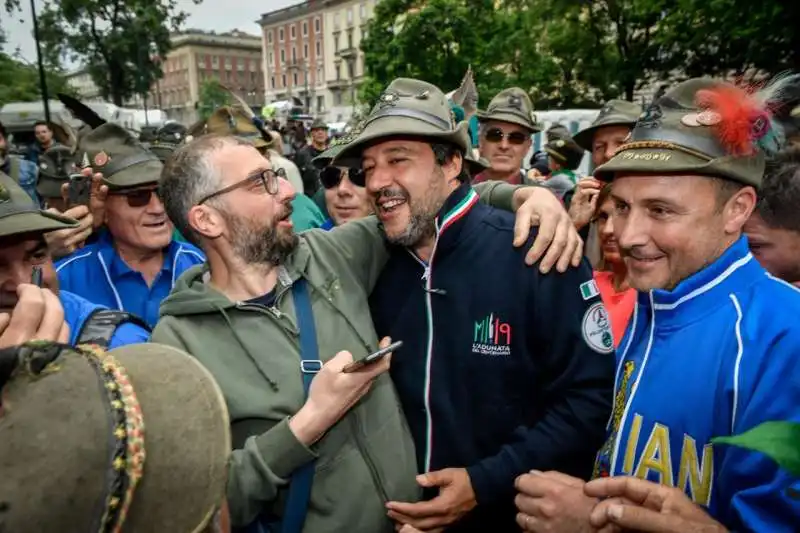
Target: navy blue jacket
(503, 369)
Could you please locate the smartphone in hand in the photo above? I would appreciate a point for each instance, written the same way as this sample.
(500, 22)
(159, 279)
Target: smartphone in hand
(79, 188)
(36, 277)
(372, 358)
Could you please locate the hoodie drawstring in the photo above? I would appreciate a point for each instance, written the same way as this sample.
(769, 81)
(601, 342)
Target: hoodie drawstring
(271, 382)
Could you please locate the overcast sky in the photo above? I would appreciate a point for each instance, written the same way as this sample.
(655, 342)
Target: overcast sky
(217, 15)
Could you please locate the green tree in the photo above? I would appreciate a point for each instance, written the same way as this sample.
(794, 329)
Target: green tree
(19, 81)
(120, 41)
(212, 95)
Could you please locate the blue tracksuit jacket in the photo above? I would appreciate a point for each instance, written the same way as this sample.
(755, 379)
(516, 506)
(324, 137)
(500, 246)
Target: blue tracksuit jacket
(503, 369)
(98, 274)
(77, 310)
(717, 356)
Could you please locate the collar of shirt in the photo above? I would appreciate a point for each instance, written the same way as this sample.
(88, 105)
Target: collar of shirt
(118, 267)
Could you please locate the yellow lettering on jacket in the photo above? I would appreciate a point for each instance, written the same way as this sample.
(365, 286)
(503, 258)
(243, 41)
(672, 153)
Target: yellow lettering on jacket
(698, 476)
(633, 441)
(656, 456)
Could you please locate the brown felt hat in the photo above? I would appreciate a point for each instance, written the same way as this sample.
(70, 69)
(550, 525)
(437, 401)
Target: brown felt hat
(116, 153)
(136, 438)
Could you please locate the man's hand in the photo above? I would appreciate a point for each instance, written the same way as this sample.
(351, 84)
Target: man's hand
(333, 393)
(456, 498)
(97, 197)
(537, 206)
(635, 504)
(63, 242)
(553, 502)
(405, 528)
(37, 315)
(584, 201)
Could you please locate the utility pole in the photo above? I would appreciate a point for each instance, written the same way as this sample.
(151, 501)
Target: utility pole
(42, 78)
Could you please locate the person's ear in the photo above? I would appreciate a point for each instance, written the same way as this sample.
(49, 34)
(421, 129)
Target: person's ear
(738, 209)
(206, 221)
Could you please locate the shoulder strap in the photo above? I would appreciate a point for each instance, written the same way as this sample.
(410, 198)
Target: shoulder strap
(101, 325)
(300, 485)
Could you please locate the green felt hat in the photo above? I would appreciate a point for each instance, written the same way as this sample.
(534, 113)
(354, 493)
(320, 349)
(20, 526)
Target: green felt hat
(566, 151)
(144, 440)
(18, 213)
(228, 120)
(318, 124)
(613, 113)
(55, 166)
(677, 134)
(512, 105)
(408, 107)
(122, 159)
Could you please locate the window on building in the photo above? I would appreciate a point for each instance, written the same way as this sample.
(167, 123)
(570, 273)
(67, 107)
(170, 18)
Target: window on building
(350, 16)
(283, 80)
(350, 39)
(255, 65)
(320, 76)
(283, 55)
(272, 82)
(305, 51)
(292, 31)
(201, 62)
(214, 61)
(305, 29)
(294, 54)
(362, 11)
(227, 63)
(320, 103)
(253, 77)
(240, 64)
(280, 34)
(271, 59)
(338, 72)
(294, 78)
(336, 43)
(317, 25)
(337, 98)
(269, 37)
(336, 21)
(240, 77)
(319, 48)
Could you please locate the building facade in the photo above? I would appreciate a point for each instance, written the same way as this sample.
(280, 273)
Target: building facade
(312, 53)
(233, 58)
(84, 86)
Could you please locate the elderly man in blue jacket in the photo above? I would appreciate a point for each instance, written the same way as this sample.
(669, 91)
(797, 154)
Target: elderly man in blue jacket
(712, 347)
(135, 262)
(28, 312)
(503, 369)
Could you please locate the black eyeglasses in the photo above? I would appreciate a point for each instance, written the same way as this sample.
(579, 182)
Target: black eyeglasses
(268, 178)
(495, 135)
(331, 176)
(136, 197)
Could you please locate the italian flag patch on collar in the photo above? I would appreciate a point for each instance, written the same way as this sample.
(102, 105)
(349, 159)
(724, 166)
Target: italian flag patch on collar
(589, 289)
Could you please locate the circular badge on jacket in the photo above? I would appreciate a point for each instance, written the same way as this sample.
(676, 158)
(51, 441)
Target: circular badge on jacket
(596, 329)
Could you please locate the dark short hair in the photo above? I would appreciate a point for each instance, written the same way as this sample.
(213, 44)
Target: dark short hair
(779, 194)
(444, 152)
(42, 123)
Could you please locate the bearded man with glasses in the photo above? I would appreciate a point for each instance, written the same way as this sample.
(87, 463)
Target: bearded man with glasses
(135, 261)
(505, 136)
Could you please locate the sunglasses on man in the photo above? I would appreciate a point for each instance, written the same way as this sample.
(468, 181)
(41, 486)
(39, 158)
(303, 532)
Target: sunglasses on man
(331, 176)
(496, 135)
(136, 197)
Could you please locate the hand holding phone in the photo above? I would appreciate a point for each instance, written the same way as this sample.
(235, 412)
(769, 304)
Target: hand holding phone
(79, 189)
(372, 358)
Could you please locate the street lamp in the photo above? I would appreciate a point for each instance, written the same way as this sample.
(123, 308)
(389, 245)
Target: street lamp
(42, 79)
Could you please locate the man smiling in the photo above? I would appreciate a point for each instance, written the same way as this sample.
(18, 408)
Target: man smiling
(135, 263)
(503, 369)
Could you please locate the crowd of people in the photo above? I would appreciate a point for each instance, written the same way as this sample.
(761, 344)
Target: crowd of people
(188, 321)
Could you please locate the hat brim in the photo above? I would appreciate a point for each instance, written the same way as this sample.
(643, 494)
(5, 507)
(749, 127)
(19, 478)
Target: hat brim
(395, 126)
(325, 158)
(511, 118)
(585, 137)
(560, 157)
(476, 166)
(664, 161)
(34, 221)
(187, 438)
(142, 174)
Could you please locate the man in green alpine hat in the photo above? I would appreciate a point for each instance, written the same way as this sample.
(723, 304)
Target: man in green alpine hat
(565, 157)
(134, 264)
(684, 185)
(505, 135)
(460, 360)
(233, 121)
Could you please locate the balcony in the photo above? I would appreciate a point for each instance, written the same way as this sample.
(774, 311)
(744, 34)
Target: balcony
(341, 83)
(350, 51)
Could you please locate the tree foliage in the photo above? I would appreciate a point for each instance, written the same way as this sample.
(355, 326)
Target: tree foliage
(19, 81)
(211, 97)
(120, 41)
(574, 53)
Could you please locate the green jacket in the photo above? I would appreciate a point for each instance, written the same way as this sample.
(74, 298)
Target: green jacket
(367, 458)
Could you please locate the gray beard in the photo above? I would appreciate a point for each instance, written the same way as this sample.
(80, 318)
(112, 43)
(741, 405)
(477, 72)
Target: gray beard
(260, 246)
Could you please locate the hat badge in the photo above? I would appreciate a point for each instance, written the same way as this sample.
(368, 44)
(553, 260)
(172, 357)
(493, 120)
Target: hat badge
(43, 166)
(651, 118)
(703, 118)
(101, 159)
(515, 102)
(388, 98)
